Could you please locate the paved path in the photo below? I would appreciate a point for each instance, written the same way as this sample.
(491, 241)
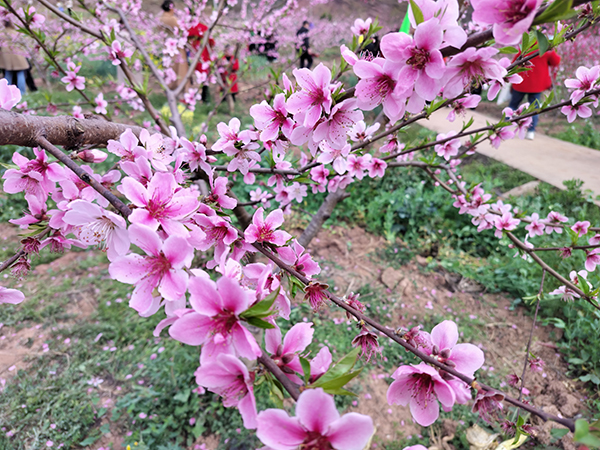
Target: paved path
(546, 158)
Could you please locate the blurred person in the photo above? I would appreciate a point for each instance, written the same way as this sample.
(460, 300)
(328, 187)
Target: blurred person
(15, 65)
(535, 81)
(303, 45)
(229, 67)
(196, 37)
(168, 19)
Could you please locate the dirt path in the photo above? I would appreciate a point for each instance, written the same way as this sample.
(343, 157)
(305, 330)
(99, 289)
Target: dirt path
(548, 159)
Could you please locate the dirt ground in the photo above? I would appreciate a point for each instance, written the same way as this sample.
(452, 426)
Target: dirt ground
(413, 293)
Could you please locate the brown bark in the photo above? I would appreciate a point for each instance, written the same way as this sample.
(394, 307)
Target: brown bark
(324, 212)
(66, 131)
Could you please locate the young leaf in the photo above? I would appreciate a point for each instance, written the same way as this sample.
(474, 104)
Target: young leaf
(543, 43)
(343, 366)
(338, 382)
(259, 322)
(417, 12)
(305, 368)
(261, 309)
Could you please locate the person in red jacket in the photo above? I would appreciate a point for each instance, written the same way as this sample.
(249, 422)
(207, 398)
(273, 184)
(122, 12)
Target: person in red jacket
(196, 36)
(228, 67)
(535, 81)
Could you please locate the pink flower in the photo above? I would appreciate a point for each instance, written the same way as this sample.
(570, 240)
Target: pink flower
(161, 268)
(461, 105)
(216, 231)
(581, 228)
(271, 120)
(471, 66)
(419, 60)
(502, 134)
(35, 177)
(335, 128)
(487, 404)
(360, 132)
(337, 155)
(511, 18)
(379, 85)
(286, 355)
(421, 387)
(72, 80)
(163, 203)
(218, 195)
(361, 27)
(116, 52)
(449, 148)
(127, 146)
(585, 81)
(505, 222)
(466, 358)
(554, 219)
(96, 226)
(11, 296)
(308, 104)
(101, 104)
(228, 376)
(536, 227)
(293, 255)
(264, 230)
(317, 425)
(214, 321)
(368, 343)
(315, 294)
(592, 259)
(376, 167)
(9, 95)
(572, 111)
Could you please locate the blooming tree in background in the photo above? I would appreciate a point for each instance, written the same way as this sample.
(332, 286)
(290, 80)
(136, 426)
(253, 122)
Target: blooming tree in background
(171, 226)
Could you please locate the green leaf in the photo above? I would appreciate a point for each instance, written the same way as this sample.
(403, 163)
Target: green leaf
(344, 365)
(90, 440)
(338, 382)
(468, 124)
(261, 309)
(543, 43)
(525, 42)
(583, 285)
(583, 435)
(276, 393)
(259, 322)
(557, 433)
(417, 13)
(508, 50)
(182, 396)
(305, 368)
(558, 10)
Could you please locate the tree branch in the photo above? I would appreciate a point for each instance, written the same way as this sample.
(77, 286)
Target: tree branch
(85, 177)
(324, 212)
(66, 131)
(277, 373)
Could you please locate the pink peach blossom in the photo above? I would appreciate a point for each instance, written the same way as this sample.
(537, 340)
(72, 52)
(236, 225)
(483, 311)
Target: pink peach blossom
(317, 425)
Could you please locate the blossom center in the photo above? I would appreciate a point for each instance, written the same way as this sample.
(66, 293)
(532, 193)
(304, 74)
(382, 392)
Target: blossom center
(419, 58)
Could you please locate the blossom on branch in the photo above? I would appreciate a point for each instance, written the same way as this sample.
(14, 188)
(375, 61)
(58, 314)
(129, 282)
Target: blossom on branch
(317, 425)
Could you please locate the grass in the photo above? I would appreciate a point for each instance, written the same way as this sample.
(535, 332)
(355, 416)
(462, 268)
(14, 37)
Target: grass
(143, 376)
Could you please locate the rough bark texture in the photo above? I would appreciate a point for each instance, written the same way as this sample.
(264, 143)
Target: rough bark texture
(321, 216)
(66, 131)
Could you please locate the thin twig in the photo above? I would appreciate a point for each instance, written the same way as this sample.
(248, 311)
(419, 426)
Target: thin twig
(278, 373)
(537, 308)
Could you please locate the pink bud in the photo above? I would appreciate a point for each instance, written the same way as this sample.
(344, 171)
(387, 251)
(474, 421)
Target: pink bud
(92, 156)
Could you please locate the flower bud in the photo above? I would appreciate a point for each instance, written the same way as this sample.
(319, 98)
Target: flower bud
(92, 156)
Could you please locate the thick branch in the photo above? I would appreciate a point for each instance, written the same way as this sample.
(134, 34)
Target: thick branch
(85, 177)
(324, 212)
(66, 131)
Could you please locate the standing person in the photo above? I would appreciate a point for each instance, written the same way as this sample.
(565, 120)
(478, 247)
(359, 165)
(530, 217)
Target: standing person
(535, 81)
(303, 44)
(14, 64)
(230, 66)
(196, 36)
(169, 20)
